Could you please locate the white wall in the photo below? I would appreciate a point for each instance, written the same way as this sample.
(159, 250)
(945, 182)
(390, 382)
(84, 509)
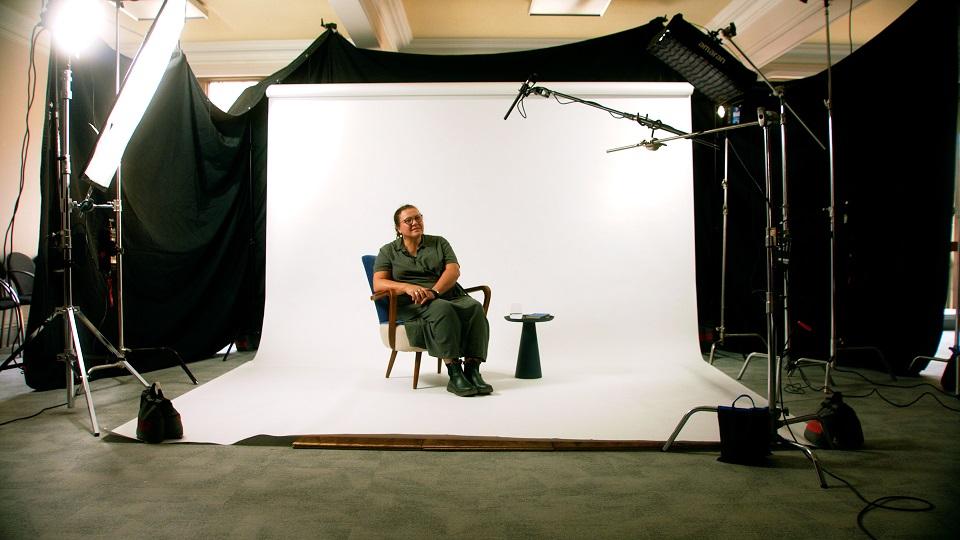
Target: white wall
(14, 57)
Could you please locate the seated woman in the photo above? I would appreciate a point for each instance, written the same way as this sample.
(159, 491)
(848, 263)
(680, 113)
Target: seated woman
(438, 315)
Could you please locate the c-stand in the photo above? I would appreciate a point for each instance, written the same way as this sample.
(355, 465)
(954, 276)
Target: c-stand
(765, 119)
(116, 206)
(72, 355)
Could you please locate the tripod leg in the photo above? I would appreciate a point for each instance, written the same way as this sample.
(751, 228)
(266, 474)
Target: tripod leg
(746, 363)
(226, 354)
(811, 456)
(682, 423)
(183, 365)
(72, 323)
(121, 361)
(23, 343)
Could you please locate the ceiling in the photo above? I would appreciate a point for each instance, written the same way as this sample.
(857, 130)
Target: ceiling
(245, 38)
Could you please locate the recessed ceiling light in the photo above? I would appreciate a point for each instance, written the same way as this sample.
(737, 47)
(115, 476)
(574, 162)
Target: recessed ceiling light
(589, 8)
(146, 10)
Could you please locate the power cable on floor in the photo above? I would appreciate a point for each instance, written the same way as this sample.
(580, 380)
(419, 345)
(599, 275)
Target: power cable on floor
(880, 395)
(882, 502)
(32, 415)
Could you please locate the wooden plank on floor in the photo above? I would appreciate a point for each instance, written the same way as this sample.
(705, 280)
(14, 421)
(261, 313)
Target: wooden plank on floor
(569, 445)
(358, 443)
(487, 444)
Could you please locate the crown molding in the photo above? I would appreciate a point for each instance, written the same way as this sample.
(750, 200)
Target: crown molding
(453, 46)
(768, 29)
(374, 24)
(804, 60)
(214, 59)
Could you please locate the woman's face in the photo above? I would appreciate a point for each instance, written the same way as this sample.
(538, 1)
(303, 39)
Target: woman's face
(411, 223)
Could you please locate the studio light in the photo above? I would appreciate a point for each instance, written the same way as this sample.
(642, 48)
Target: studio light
(137, 92)
(74, 24)
(701, 60)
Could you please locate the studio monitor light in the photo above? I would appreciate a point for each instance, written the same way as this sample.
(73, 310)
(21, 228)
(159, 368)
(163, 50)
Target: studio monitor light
(701, 60)
(136, 93)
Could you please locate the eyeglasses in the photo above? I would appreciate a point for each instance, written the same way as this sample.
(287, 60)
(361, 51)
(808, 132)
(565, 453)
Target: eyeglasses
(409, 221)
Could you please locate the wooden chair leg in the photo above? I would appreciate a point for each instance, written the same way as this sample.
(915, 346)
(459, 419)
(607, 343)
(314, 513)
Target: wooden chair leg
(393, 356)
(439, 363)
(416, 370)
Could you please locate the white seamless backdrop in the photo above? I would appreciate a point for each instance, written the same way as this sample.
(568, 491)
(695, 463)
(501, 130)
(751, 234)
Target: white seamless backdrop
(534, 207)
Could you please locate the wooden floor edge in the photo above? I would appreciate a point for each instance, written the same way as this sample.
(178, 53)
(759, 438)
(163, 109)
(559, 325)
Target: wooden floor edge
(489, 444)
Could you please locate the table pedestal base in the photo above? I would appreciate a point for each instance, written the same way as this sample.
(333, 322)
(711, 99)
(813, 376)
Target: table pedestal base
(528, 359)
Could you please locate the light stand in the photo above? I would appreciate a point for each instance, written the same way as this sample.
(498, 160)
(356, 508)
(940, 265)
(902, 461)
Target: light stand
(722, 329)
(73, 352)
(776, 240)
(784, 234)
(831, 362)
(116, 205)
(764, 119)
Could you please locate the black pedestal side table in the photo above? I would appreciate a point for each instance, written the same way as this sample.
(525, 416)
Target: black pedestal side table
(528, 358)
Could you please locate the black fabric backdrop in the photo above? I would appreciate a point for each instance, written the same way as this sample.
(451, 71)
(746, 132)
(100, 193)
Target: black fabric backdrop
(194, 192)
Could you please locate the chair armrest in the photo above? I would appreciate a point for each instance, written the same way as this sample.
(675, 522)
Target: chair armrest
(486, 295)
(391, 314)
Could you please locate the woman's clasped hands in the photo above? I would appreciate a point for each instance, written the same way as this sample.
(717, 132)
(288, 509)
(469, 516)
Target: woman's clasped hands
(420, 295)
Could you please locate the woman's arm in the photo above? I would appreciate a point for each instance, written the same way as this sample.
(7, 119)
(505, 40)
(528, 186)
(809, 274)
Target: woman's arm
(448, 279)
(382, 282)
(420, 295)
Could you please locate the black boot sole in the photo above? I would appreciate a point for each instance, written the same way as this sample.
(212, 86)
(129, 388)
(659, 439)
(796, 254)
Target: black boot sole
(462, 393)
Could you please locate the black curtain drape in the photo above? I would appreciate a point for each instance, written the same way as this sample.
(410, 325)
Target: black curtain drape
(194, 182)
(895, 131)
(187, 227)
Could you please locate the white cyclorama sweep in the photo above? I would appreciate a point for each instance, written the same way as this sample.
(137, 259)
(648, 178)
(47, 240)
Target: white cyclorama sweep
(137, 92)
(534, 207)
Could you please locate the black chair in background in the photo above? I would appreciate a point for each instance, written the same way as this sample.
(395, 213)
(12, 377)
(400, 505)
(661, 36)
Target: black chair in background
(17, 273)
(11, 332)
(16, 291)
(20, 270)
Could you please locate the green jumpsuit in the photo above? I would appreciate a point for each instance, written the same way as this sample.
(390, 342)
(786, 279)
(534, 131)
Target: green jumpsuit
(452, 326)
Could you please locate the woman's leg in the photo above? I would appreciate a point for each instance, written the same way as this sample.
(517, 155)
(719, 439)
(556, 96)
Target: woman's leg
(475, 329)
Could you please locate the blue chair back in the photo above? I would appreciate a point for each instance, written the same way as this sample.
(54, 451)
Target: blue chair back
(382, 307)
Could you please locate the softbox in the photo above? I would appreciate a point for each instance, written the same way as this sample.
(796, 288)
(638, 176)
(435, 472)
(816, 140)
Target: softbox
(701, 60)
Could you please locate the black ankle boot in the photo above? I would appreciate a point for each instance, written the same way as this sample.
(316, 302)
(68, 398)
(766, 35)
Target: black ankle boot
(471, 370)
(459, 384)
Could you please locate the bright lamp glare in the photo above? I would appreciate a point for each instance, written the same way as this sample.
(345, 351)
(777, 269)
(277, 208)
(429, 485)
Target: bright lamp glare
(137, 92)
(75, 24)
(721, 111)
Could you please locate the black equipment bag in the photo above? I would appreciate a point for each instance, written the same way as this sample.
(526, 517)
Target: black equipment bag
(837, 427)
(744, 433)
(158, 419)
